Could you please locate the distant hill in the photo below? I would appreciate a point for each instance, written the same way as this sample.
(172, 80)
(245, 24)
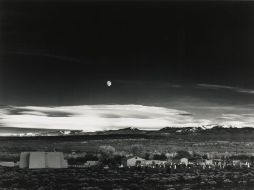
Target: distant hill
(128, 130)
(188, 133)
(183, 134)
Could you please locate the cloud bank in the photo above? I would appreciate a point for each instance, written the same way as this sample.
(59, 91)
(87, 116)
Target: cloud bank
(97, 117)
(105, 117)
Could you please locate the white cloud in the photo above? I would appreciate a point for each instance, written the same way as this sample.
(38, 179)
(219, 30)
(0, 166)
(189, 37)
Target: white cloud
(33, 113)
(103, 117)
(100, 117)
(237, 120)
(232, 88)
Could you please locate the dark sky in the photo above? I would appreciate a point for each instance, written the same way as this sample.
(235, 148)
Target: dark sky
(63, 52)
(171, 64)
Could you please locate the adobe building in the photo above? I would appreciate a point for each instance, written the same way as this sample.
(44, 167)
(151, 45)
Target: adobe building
(134, 161)
(184, 161)
(38, 160)
(24, 160)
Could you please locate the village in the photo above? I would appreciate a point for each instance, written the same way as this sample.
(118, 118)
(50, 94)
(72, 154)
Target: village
(107, 168)
(107, 156)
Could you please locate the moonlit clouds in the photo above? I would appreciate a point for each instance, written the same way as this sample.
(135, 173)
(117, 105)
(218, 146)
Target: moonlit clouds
(168, 109)
(99, 117)
(237, 120)
(232, 88)
(106, 117)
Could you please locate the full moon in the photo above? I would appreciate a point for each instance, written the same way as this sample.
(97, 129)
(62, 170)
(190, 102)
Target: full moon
(109, 83)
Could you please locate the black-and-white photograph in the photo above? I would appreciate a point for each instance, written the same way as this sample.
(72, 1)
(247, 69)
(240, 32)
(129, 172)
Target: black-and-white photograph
(126, 95)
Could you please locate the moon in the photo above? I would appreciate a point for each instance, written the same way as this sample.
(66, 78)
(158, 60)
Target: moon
(109, 83)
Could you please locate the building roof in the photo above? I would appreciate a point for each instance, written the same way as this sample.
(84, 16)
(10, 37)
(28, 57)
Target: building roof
(135, 157)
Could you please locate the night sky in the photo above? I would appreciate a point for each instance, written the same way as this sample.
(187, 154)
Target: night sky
(195, 58)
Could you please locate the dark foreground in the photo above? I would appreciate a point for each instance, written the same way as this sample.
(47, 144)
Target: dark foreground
(126, 178)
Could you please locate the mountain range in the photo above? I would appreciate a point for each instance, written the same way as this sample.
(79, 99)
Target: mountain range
(204, 131)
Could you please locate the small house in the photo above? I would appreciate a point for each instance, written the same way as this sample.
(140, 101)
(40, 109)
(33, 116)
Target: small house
(7, 164)
(135, 161)
(91, 163)
(184, 161)
(209, 162)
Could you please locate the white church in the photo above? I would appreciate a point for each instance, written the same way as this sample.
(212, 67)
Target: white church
(38, 160)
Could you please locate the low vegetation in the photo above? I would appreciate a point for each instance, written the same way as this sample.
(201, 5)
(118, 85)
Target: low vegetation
(126, 178)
